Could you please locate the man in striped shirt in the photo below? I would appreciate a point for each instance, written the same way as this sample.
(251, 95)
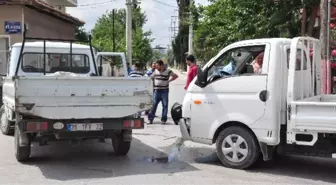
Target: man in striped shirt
(136, 71)
(161, 78)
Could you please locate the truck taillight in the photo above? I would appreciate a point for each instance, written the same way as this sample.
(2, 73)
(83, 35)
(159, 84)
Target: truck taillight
(37, 126)
(133, 123)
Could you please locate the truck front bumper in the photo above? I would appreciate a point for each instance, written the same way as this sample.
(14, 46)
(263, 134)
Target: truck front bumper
(185, 129)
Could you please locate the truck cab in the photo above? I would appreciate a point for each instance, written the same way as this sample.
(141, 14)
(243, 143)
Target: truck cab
(251, 111)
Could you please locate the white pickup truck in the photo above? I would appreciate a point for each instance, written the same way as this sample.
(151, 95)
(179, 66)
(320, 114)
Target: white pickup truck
(251, 113)
(42, 104)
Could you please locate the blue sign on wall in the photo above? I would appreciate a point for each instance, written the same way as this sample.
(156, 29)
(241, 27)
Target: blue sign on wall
(12, 27)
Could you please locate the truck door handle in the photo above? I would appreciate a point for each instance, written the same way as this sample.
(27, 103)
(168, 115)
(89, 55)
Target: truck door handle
(263, 95)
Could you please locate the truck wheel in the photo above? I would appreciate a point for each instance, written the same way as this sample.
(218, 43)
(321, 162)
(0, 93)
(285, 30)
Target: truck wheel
(237, 148)
(22, 153)
(120, 146)
(5, 123)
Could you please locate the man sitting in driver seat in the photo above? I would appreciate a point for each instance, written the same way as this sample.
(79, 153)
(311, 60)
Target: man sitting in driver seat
(231, 66)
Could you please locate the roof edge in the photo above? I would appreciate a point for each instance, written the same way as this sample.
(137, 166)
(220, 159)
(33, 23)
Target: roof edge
(45, 8)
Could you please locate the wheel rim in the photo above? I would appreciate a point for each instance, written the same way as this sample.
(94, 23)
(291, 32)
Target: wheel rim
(3, 122)
(235, 148)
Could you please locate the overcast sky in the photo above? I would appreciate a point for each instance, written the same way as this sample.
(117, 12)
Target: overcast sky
(158, 13)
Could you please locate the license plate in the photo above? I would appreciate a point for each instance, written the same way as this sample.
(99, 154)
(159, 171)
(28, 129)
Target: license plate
(85, 126)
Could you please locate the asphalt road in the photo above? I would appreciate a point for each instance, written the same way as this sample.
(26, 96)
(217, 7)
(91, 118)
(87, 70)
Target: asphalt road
(94, 162)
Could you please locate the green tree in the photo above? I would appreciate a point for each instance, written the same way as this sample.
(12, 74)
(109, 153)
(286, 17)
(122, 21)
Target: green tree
(81, 35)
(226, 21)
(180, 43)
(103, 34)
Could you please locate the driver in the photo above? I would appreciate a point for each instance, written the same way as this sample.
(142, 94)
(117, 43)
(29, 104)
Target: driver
(230, 67)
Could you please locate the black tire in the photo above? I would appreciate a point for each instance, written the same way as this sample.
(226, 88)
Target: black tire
(22, 153)
(249, 146)
(176, 112)
(120, 147)
(5, 125)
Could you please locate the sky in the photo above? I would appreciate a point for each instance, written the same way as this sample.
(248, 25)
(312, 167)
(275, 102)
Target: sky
(158, 13)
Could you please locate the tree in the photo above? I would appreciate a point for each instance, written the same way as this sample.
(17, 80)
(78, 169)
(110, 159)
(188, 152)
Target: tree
(103, 34)
(226, 21)
(81, 35)
(180, 43)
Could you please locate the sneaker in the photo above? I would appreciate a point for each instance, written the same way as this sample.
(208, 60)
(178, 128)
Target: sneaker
(163, 122)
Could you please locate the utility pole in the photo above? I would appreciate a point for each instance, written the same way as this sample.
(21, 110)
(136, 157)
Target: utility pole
(173, 27)
(113, 32)
(129, 6)
(191, 31)
(328, 50)
(324, 42)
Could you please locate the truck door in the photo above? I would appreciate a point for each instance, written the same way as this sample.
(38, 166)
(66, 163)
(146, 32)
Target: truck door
(238, 97)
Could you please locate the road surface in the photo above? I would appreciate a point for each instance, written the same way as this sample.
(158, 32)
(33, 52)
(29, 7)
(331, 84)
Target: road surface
(93, 163)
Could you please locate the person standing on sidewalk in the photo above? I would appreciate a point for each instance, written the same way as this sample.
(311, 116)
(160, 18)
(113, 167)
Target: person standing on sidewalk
(191, 62)
(136, 73)
(148, 74)
(161, 78)
(151, 70)
(129, 69)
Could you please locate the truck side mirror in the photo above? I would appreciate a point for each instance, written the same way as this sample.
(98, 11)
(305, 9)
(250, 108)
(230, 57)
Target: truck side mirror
(201, 78)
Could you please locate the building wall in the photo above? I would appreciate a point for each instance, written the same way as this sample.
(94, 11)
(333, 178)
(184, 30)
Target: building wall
(11, 13)
(43, 25)
(39, 24)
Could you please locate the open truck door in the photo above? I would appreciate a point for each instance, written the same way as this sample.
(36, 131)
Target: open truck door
(304, 82)
(104, 66)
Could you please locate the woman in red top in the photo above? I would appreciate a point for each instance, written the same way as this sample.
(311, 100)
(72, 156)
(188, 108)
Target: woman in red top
(191, 62)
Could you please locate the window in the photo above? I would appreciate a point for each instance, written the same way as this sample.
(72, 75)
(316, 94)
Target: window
(238, 61)
(299, 53)
(34, 63)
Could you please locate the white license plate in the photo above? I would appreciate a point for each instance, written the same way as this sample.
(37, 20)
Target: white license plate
(85, 126)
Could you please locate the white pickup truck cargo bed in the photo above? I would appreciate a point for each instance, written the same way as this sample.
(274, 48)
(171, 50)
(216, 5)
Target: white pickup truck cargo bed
(317, 113)
(78, 97)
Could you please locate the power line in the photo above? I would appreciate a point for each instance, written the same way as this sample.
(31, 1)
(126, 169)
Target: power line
(165, 4)
(91, 4)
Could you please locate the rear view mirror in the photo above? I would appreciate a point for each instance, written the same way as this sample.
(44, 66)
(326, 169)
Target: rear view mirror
(201, 78)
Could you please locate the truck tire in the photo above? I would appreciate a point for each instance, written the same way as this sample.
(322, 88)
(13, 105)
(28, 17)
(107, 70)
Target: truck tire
(120, 147)
(176, 113)
(5, 124)
(22, 153)
(237, 148)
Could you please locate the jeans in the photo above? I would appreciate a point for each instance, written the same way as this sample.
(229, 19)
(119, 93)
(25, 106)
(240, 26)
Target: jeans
(160, 96)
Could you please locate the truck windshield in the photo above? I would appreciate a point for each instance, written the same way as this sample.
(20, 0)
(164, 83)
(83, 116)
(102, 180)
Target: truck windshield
(34, 63)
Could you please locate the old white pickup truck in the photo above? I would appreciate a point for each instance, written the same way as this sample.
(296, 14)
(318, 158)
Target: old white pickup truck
(42, 104)
(271, 102)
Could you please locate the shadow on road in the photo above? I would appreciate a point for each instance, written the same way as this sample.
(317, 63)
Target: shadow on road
(318, 169)
(92, 159)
